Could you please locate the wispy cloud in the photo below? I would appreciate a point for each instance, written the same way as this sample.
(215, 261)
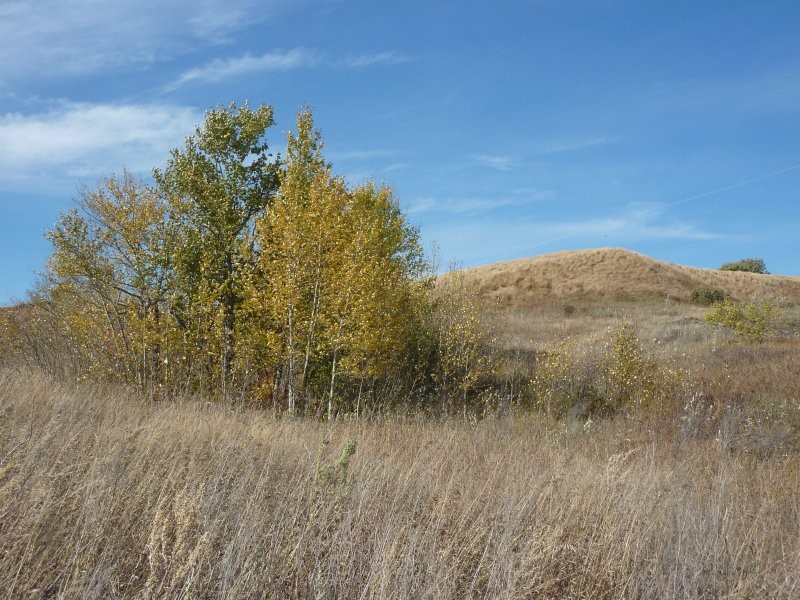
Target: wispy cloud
(422, 205)
(431, 104)
(88, 140)
(535, 148)
(54, 38)
(219, 69)
(476, 205)
(637, 221)
(281, 60)
(374, 59)
(768, 91)
(492, 161)
(633, 106)
(498, 236)
(399, 166)
(344, 155)
(569, 145)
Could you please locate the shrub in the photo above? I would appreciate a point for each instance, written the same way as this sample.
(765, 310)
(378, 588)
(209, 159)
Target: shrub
(561, 381)
(461, 342)
(749, 320)
(707, 296)
(749, 265)
(616, 376)
(630, 377)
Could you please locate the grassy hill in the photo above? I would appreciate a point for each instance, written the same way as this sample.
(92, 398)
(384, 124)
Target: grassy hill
(617, 275)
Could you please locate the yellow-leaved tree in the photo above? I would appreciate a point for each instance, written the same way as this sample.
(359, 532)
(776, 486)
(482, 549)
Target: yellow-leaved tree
(338, 272)
(106, 277)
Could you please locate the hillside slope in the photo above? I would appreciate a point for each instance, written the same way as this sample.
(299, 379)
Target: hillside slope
(616, 274)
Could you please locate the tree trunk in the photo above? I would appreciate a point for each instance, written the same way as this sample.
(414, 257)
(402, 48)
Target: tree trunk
(290, 375)
(330, 394)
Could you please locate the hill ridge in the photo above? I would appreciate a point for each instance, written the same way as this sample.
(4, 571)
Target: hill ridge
(618, 274)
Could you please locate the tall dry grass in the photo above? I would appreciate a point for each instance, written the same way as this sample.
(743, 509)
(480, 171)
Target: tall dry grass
(104, 495)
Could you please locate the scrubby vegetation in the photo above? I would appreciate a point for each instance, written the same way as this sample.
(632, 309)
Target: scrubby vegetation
(242, 277)
(598, 380)
(244, 380)
(706, 295)
(748, 265)
(749, 320)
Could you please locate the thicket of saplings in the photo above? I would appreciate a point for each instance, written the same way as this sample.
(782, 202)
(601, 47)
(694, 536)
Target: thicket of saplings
(747, 265)
(179, 322)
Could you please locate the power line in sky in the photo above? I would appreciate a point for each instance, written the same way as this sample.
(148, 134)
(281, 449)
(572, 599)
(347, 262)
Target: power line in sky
(733, 186)
(661, 207)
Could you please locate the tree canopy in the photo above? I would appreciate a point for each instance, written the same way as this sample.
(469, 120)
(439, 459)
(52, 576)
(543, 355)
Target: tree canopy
(241, 274)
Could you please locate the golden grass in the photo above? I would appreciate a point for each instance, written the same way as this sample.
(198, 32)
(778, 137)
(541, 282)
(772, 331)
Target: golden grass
(104, 495)
(616, 274)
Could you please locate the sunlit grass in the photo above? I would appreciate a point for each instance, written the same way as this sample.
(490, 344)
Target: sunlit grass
(103, 494)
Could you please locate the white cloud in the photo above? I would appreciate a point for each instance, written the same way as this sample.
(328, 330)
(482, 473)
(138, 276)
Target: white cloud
(766, 91)
(636, 222)
(398, 166)
(280, 60)
(88, 140)
(569, 145)
(359, 154)
(501, 162)
(374, 59)
(422, 205)
(56, 38)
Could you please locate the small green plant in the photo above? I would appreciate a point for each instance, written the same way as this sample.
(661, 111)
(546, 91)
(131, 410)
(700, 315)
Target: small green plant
(707, 295)
(749, 320)
(749, 265)
(335, 473)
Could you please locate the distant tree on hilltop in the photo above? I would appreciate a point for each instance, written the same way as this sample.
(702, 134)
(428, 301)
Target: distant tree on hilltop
(749, 265)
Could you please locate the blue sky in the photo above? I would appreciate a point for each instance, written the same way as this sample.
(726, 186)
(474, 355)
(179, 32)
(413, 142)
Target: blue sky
(507, 128)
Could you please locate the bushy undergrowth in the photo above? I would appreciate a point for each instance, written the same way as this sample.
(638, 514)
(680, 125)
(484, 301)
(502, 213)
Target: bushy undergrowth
(105, 494)
(613, 375)
(749, 320)
(706, 296)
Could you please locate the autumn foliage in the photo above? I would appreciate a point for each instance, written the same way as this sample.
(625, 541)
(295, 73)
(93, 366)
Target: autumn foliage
(241, 275)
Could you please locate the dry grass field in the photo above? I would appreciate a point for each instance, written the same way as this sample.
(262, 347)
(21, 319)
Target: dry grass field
(106, 494)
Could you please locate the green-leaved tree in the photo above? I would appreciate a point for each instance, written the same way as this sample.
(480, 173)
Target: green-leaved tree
(216, 187)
